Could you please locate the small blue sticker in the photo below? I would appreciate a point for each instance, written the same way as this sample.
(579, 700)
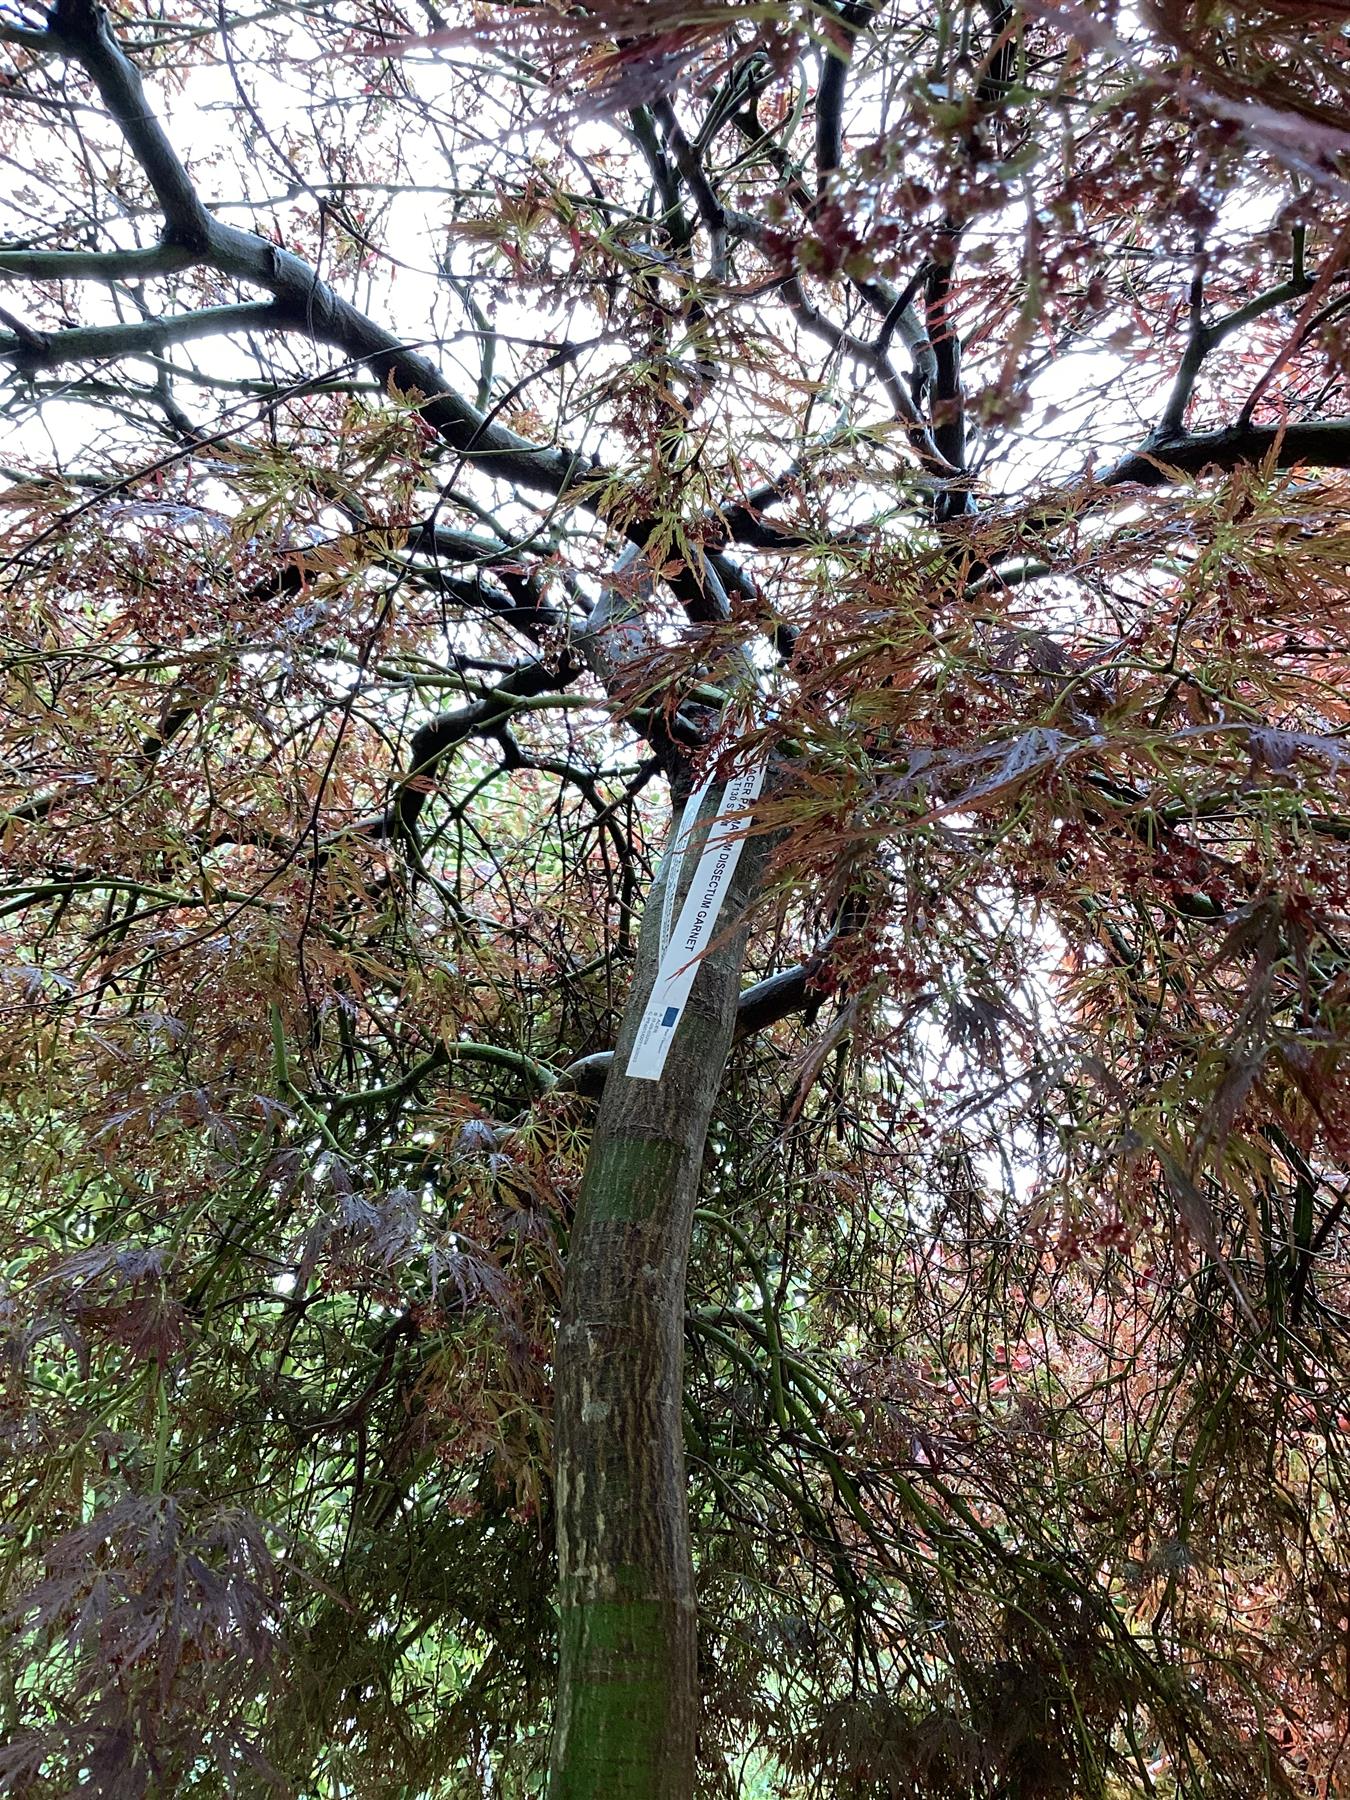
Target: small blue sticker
(670, 1015)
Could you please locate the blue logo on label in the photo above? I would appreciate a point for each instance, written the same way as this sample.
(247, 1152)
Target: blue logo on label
(670, 1015)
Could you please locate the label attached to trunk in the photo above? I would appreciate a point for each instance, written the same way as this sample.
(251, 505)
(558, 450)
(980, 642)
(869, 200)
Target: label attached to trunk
(693, 931)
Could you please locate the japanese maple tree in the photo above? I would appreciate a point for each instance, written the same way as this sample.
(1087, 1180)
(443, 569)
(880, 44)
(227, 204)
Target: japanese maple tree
(507, 506)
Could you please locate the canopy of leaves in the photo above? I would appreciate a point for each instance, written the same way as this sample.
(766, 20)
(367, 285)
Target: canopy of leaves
(971, 382)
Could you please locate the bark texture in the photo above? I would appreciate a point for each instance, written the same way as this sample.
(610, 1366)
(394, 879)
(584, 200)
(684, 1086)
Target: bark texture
(627, 1712)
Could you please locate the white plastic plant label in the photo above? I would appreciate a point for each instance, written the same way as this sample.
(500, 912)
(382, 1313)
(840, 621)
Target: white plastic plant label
(694, 929)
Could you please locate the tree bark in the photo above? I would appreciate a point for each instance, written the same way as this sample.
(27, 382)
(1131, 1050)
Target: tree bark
(627, 1709)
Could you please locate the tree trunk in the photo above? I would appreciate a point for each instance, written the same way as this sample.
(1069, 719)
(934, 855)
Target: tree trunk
(627, 1710)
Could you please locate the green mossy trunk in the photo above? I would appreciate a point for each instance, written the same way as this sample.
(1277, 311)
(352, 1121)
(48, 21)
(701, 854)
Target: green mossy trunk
(627, 1710)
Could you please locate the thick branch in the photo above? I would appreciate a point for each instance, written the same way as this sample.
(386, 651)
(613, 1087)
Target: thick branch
(140, 337)
(695, 178)
(948, 405)
(858, 350)
(1203, 338)
(833, 81)
(763, 1004)
(95, 265)
(81, 28)
(434, 741)
(304, 302)
(1322, 443)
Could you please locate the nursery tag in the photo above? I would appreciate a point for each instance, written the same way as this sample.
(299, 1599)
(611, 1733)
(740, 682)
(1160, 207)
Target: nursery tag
(693, 930)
